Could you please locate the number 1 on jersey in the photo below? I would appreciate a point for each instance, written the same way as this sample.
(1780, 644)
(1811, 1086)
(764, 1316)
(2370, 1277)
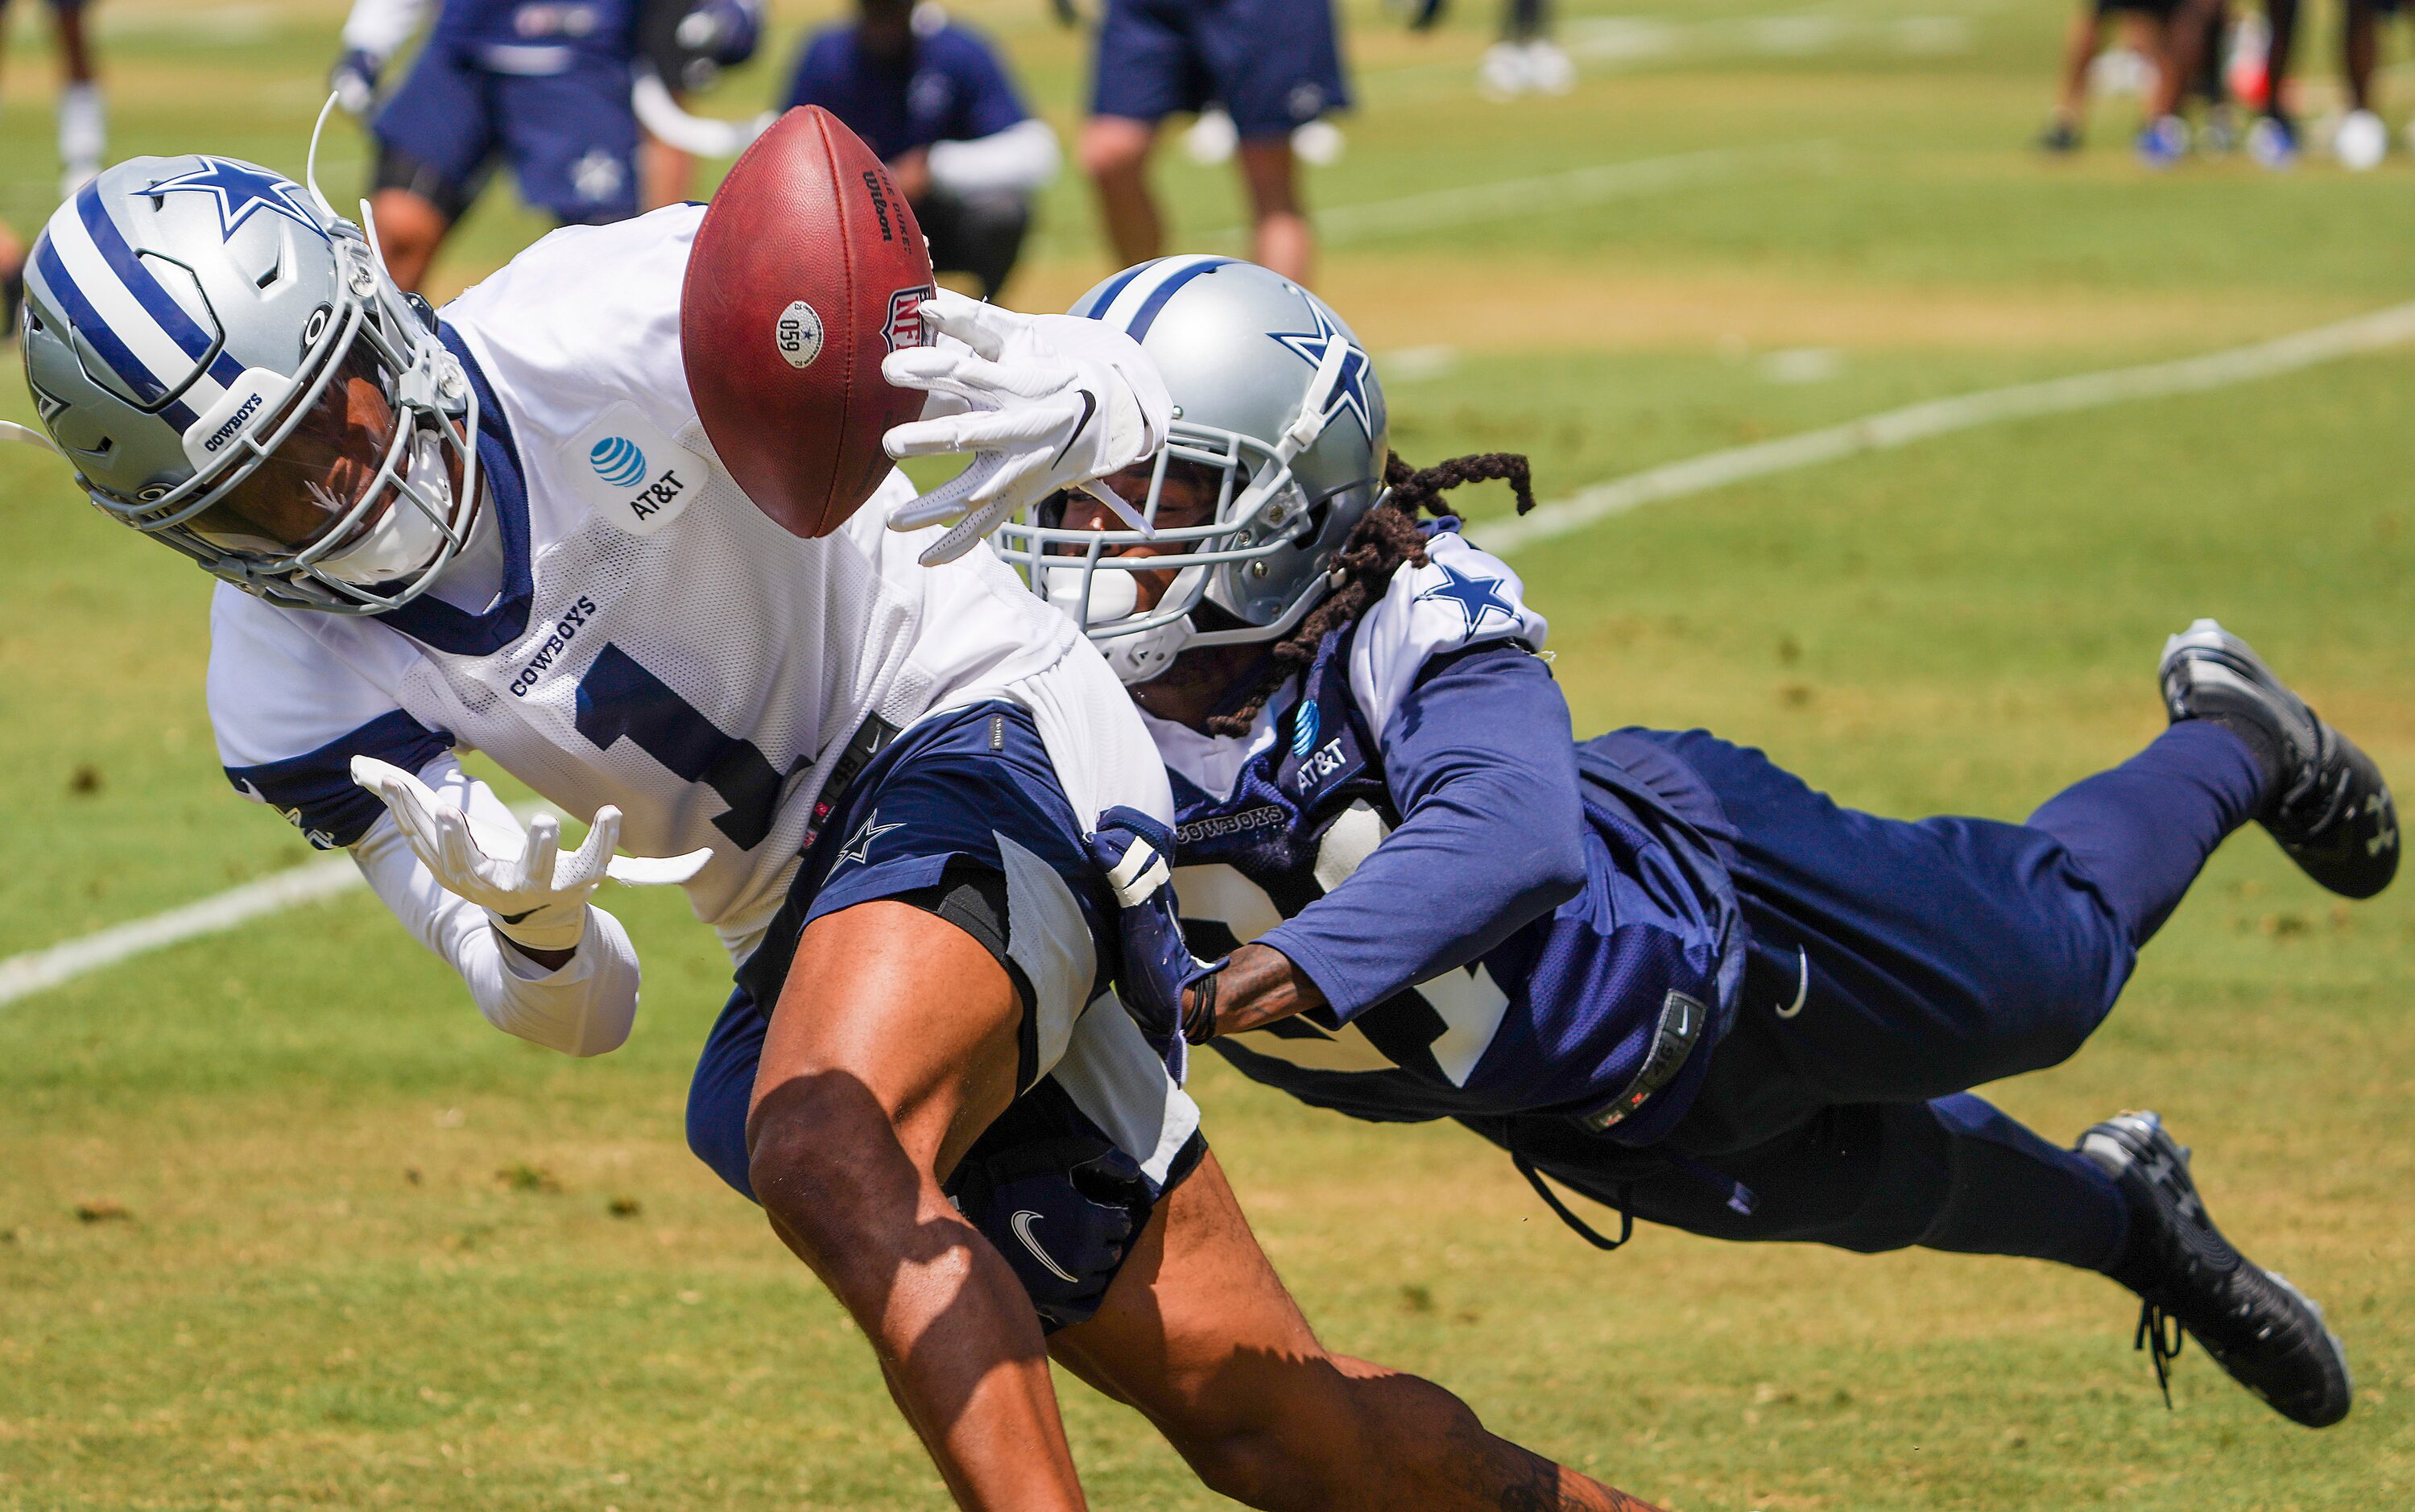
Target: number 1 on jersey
(618, 698)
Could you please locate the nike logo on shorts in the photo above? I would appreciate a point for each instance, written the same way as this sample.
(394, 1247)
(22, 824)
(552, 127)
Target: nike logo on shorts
(1021, 1222)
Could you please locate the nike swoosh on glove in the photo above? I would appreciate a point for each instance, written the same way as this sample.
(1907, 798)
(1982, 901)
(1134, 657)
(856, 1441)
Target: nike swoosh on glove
(1043, 402)
(1170, 993)
(535, 896)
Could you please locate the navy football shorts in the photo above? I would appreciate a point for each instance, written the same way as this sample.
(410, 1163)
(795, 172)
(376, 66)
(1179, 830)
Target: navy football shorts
(1273, 64)
(571, 138)
(963, 815)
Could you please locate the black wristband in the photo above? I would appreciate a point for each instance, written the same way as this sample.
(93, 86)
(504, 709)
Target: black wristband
(1199, 1018)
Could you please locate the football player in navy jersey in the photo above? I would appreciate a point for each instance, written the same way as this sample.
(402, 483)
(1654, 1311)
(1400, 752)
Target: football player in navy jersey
(1651, 966)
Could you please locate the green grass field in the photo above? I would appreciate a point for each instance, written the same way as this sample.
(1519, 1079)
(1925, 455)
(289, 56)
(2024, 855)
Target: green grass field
(282, 1223)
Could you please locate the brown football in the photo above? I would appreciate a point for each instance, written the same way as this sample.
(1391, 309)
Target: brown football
(807, 271)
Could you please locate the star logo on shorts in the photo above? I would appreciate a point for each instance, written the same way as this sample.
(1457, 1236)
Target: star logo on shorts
(859, 844)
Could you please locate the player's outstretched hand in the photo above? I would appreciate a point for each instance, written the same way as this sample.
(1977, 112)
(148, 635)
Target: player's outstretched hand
(536, 895)
(1170, 993)
(1043, 402)
(354, 81)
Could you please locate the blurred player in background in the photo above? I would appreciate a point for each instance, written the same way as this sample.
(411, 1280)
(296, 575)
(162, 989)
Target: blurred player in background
(1525, 61)
(2139, 26)
(1273, 64)
(2363, 140)
(934, 100)
(13, 281)
(83, 126)
(542, 84)
(684, 46)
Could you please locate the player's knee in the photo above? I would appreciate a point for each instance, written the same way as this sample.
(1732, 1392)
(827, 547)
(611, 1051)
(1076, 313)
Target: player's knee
(822, 1158)
(1281, 1438)
(1265, 1463)
(1113, 147)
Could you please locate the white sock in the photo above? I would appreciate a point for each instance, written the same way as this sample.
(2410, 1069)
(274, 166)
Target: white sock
(83, 131)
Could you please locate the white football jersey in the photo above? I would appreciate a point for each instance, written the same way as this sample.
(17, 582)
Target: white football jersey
(656, 642)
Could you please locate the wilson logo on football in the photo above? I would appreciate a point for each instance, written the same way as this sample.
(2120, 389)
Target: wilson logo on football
(904, 324)
(618, 461)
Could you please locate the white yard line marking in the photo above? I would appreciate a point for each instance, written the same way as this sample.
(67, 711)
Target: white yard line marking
(36, 970)
(1894, 428)
(21, 976)
(1540, 194)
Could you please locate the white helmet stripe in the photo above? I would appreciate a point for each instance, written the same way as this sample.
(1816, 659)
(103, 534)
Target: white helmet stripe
(137, 311)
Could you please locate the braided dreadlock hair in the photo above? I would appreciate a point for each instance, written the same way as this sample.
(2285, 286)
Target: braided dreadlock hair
(1384, 537)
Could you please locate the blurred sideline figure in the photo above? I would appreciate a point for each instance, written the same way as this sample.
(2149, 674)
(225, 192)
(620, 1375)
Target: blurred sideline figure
(542, 84)
(2188, 61)
(2140, 26)
(687, 46)
(934, 99)
(13, 281)
(1524, 62)
(83, 129)
(2363, 140)
(1274, 65)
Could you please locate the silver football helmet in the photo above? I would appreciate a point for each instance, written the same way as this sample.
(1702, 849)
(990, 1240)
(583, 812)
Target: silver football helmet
(1277, 400)
(229, 367)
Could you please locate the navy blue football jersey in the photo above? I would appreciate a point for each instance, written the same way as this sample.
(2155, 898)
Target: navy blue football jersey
(1500, 919)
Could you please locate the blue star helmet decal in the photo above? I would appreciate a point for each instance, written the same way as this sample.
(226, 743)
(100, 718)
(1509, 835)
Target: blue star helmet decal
(242, 190)
(1475, 596)
(1310, 347)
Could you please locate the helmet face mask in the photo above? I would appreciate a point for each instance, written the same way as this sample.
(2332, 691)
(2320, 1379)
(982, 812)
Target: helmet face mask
(1279, 422)
(248, 385)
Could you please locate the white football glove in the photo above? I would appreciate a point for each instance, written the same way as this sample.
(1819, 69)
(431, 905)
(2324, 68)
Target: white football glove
(1043, 402)
(535, 896)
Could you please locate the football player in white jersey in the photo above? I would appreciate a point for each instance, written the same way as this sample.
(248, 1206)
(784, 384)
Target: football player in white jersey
(503, 529)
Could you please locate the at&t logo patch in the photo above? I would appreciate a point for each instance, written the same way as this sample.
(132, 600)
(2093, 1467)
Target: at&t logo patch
(631, 473)
(618, 460)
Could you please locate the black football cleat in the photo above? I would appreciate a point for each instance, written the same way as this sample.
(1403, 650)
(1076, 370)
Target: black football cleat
(2264, 1331)
(2332, 812)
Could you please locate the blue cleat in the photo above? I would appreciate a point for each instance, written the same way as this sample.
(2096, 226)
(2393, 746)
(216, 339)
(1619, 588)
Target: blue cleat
(2273, 143)
(2163, 141)
(2259, 1327)
(2329, 809)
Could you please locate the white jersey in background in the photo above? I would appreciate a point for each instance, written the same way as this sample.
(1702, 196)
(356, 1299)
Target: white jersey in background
(628, 629)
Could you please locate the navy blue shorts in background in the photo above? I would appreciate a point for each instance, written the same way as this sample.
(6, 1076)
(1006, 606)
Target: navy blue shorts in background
(1273, 64)
(571, 138)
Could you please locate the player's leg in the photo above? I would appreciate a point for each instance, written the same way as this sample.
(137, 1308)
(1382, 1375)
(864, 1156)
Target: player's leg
(1142, 70)
(434, 138)
(893, 1045)
(2273, 139)
(1276, 66)
(83, 126)
(2361, 140)
(1199, 1334)
(2064, 129)
(572, 140)
(1281, 238)
(937, 952)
